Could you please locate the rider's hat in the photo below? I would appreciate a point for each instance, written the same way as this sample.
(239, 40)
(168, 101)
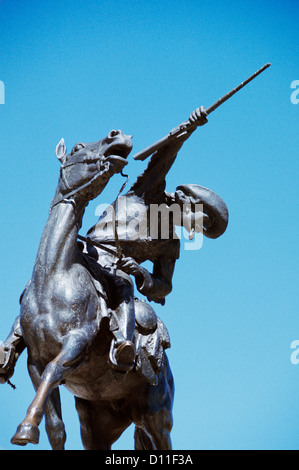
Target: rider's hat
(213, 206)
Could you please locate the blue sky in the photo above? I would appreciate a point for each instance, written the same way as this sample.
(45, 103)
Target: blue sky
(77, 69)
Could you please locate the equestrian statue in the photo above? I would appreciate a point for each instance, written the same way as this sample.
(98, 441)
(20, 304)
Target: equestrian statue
(80, 320)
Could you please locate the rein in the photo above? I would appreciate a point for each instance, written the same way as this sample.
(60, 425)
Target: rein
(98, 245)
(117, 243)
(118, 253)
(75, 191)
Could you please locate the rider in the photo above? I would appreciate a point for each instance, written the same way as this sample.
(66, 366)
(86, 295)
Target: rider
(117, 230)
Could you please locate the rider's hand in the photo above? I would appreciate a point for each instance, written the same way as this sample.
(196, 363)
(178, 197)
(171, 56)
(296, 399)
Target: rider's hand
(199, 116)
(130, 266)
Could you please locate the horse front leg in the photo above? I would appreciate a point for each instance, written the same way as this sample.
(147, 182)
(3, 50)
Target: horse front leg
(54, 424)
(74, 348)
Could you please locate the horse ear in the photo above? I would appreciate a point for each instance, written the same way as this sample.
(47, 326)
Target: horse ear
(61, 150)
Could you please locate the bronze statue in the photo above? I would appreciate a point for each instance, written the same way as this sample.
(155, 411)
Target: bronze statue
(80, 320)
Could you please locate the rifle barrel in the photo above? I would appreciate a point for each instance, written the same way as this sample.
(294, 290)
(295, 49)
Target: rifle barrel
(228, 95)
(187, 125)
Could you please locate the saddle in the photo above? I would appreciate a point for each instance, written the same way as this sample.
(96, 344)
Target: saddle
(151, 337)
(151, 340)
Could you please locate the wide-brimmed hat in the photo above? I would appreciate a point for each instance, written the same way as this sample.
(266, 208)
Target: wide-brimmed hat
(213, 206)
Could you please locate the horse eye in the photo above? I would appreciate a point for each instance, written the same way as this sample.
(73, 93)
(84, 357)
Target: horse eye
(77, 147)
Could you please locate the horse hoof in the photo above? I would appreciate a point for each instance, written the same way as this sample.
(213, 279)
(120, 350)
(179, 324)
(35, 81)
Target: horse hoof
(26, 434)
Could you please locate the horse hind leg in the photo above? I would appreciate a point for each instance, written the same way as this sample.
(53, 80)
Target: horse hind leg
(157, 418)
(157, 422)
(55, 372)
(156, 432)
(54, 424)
(102, 423)
(142, 440)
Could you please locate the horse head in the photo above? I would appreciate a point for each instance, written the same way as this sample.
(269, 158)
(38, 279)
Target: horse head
(86, 170)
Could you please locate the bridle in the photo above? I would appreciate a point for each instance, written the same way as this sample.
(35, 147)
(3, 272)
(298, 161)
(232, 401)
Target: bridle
(118, 253)
(83, 186)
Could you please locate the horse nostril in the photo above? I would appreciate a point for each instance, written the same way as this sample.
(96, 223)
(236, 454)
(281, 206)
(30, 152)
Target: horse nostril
(113, 133)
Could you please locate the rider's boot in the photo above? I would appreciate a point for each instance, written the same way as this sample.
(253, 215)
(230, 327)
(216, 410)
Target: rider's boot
(122, 351)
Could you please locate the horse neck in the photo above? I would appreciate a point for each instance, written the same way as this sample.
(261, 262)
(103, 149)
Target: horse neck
(58, 246)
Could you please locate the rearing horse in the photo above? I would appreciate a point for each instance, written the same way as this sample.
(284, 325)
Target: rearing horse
(62, 322)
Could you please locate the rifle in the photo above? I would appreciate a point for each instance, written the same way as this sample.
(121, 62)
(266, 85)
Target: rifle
(188, 126)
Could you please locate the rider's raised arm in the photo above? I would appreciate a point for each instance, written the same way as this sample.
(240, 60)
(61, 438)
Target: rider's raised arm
(152, 181)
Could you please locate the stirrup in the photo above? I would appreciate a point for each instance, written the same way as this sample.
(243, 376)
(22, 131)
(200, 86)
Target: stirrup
(122, 357)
